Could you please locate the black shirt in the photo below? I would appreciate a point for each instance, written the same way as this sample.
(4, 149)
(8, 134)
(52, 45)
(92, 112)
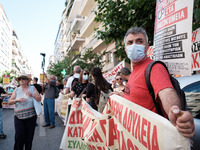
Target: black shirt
(38, 87)
(1, 91)
(78, 88)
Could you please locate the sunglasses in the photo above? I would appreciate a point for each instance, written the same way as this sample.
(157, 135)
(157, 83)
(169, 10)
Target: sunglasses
(86, 73)
(23, 78)
(119, 79)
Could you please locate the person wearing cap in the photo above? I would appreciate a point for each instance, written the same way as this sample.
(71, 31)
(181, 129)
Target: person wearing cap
(25, 115)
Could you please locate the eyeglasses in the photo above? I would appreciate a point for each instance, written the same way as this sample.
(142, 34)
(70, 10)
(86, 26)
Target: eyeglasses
(23, 78)
(85, 73)
(119, 79)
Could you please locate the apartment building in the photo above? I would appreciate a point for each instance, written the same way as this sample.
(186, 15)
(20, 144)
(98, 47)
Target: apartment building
(5, 42)
(11, 56)
(76, 34)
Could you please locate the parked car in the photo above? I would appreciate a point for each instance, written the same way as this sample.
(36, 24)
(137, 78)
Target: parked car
(191, 86)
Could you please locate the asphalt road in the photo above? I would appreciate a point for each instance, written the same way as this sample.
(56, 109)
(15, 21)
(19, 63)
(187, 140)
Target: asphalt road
(44, 138)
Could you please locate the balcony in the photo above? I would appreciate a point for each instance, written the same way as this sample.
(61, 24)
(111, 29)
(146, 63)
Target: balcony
(88, 27)
(86, 7)
(77, 42)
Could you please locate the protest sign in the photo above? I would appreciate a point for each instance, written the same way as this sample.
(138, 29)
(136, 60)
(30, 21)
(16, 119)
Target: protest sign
(172, 37)
(196, 50)
(109, 76)
(123, 125)
(6, 79)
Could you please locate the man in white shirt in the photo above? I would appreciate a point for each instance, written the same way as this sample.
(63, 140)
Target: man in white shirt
(76, 71)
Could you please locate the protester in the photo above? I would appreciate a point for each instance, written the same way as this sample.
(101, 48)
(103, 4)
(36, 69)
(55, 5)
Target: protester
(60, 85)
(25, 115)
(49, 101)
(2, 135)
(64, 82)
(125, 74)
(119, 81)
(136, 46)
(36, 85)
(79, 87)
(77, 70)
(101, 88)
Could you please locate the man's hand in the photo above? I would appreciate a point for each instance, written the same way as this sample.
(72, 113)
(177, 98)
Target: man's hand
(182, 120)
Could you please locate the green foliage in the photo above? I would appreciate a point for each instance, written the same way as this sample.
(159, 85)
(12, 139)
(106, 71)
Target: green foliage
(119, 15)
(196, 15)
(56, 68)
(90, 60)
(86, 61)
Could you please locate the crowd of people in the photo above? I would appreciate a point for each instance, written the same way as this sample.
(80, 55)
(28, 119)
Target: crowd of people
(95, 90)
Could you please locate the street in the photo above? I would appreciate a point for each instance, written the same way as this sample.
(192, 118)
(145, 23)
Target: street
(44, 138)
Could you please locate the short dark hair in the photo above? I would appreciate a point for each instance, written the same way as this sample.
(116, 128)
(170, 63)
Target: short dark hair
(125, 71)
(36, 79)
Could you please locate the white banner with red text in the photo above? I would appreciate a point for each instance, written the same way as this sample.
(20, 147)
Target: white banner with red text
(110, 75)
(123, 125)
(196, 50)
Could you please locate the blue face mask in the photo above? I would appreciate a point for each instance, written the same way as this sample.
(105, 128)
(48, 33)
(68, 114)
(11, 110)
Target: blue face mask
(135, 52)
(85, 77)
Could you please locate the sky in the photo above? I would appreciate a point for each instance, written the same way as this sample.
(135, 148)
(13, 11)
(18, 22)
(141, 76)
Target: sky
(36, 23)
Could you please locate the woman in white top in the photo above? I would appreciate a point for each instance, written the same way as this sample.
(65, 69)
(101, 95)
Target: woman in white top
(25, 115)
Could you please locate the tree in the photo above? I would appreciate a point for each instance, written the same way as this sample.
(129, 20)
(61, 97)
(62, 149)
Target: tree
(119, 15)
(56, 68)
(90, 60)
(196, 15)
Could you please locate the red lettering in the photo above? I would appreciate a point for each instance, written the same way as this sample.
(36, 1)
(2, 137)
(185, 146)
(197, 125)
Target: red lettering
(123, 142)
(148, 135)
(112, 132)
(125, 119)
(72, 119)
(134, 122)
(79, 117)
(75, 132)
(194, 35)
(130, 117)
(102, 124)
(97, 137)
(137, 129)
(155, 139)
(195, 62)
(86, 123)
(143, 131)
(69, 131)
(130, 145)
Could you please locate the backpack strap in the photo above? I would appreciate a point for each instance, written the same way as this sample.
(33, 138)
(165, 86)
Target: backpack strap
(149, 85)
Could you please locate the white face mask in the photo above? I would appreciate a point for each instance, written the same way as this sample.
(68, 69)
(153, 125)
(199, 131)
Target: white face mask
(85, 77)
(135, 52)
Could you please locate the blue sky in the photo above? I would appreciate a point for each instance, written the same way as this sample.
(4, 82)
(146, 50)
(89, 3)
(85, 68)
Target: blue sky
(36, 23)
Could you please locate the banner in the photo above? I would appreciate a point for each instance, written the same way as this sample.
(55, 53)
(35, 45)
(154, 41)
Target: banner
(109, 76)
(6, 79)
(42, 78)
(172, 37)
(196, 50)
(123, 126)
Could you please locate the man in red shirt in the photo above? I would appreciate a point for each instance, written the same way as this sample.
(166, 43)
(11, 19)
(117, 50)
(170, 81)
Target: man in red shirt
(136, 46)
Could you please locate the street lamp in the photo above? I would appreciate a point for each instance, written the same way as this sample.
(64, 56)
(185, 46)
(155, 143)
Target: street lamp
(43, 64)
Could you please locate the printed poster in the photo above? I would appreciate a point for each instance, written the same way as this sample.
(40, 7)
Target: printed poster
(123, 125)
(172, 37)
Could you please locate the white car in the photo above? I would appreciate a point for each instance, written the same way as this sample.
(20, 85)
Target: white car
(191, 86)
